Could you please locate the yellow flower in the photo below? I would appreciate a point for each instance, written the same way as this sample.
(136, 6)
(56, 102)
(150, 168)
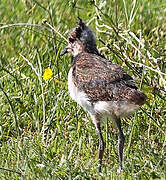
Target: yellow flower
(47, 74)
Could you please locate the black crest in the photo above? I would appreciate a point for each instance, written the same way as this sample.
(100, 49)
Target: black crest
(80, 28)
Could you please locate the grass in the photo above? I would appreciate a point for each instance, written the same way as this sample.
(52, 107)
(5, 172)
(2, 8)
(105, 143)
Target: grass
(43, 133)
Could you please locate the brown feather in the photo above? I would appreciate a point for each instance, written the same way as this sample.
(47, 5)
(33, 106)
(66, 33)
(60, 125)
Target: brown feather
(102, 80)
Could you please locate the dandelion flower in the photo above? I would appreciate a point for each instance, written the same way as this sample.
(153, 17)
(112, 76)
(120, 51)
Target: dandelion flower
(47, 74)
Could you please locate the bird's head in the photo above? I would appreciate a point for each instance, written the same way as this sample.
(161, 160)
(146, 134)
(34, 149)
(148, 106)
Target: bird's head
(80, 39)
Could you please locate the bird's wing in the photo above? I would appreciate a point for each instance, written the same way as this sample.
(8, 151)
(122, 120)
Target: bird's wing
(103, 80)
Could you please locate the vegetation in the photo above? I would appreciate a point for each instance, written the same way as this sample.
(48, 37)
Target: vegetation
(46, 135)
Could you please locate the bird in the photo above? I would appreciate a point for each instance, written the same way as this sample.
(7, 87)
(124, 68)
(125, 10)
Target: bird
(99, 86)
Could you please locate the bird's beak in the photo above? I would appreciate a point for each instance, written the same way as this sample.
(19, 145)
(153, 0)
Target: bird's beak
(66, 50)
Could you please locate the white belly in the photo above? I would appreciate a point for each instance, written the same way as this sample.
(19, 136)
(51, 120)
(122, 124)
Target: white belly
(79, 96)
(118, 108)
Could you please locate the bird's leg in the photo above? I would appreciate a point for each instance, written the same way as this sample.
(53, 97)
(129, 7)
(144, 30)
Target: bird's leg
(101, 145)
(97, 123)
(120, 144)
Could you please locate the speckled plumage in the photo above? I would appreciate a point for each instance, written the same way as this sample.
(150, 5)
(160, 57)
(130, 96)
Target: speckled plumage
(99, 86)
(102, 80)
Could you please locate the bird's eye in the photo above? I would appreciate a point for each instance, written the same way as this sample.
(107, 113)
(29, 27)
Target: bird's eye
(71, 40)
